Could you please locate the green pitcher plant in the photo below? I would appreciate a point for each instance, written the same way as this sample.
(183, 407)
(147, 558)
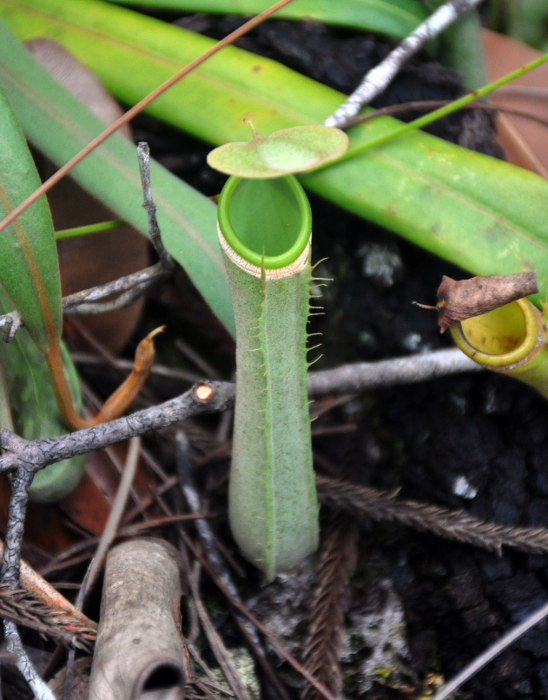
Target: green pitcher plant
(264, 228)
(511, 339)
(264, 232)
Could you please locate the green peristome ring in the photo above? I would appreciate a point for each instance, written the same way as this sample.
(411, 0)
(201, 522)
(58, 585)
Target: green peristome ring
(277, 208)
(273, 507)
(511, 339)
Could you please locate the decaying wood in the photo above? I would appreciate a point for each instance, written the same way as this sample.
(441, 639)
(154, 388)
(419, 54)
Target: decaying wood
(458, 300)
(139, 647)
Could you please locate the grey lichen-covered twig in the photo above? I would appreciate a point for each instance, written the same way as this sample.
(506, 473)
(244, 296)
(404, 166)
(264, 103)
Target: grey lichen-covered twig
(87, 301)
(32, 455)
(15, 649)
(143, 154)
(9, 574)
(24, 458)
(377, 79)
(212, 397)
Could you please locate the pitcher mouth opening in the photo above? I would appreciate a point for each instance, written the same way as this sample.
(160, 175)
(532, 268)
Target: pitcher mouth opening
(500, 337)
(266, 222)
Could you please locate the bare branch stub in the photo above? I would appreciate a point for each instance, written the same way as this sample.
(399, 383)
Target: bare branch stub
(143, 154)
(36, 454)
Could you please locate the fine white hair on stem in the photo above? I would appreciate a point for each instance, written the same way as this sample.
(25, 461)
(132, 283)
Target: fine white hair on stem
(491, 652)
(378, 78)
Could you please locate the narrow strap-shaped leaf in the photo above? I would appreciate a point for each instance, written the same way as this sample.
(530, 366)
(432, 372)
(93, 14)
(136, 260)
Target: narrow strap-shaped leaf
(59, 125)
(29, 270)
(480, 213)
(390, 17)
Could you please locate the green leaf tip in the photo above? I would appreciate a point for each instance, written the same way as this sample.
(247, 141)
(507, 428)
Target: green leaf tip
(294, 150)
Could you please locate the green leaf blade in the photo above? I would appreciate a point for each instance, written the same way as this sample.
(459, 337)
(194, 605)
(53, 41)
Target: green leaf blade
(33, 404)
(29, 269)
(60, 126)
(472, 210)
(389, 17)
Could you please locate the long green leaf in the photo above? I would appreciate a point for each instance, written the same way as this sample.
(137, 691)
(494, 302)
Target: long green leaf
(390, 17)
(59, 125)
(477, 212)
(29, 270)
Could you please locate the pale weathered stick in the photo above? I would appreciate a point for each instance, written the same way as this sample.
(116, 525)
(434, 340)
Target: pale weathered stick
(492, 652)
(359, 376)
(212, 397)
(378, 79)
(139, 637)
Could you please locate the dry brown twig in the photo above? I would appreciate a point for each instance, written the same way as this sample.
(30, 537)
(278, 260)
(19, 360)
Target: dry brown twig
(18, 606)
(457, 525)
(323, 645)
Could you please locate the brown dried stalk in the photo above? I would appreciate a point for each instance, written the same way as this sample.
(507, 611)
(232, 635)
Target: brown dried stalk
(18, 606)
(322, 648)
(452, 524)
